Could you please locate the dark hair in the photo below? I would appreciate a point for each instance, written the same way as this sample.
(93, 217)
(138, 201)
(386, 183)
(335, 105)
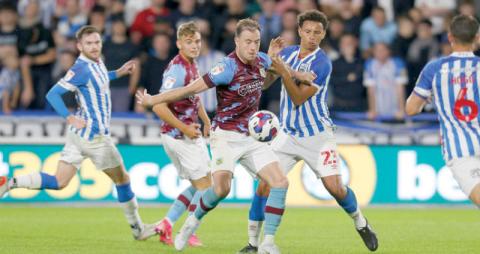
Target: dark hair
(464, 28)
(313, 15)
(7, 6)
(246, 24)
(98, 9)
(426, 22)
(86, 30)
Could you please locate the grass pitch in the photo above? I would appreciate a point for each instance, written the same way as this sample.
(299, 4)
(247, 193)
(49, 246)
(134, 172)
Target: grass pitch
(29, 229)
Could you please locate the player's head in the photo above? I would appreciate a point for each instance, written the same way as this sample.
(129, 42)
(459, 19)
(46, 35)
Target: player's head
(463, 30)
(312, 27)
(89, 42)
(247, 39)
(189, 40)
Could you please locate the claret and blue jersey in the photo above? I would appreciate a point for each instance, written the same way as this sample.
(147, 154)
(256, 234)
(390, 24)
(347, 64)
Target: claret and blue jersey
(452, 84)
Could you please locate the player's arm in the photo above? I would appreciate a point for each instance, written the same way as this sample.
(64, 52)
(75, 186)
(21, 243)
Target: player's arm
(421, 94)
(298, 93)
(162, 111)
(202, 113)
(54, 97)
(126, 69)
(414, 104)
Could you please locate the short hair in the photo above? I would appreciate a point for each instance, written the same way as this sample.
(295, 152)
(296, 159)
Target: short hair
(86, 30)
(187, 29)
(246, 24)
(464, 28)
(313, 15)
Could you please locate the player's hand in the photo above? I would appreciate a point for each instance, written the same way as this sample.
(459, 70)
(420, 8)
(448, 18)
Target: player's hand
(279, 66)
(127, 68)
(276, 45)
(192, 131)
(206, 129)
(76, 122)
(143, 98)
(306, 78)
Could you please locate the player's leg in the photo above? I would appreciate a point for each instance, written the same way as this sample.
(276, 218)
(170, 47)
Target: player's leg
(466, 172)
(475, 195)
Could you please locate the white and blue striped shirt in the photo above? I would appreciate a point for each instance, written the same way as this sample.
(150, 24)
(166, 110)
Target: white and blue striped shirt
(453, 84)
(312, 116)
(90, 81)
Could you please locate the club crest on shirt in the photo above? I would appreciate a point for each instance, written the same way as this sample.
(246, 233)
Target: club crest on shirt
(304, 67)
(169, 82)
(263, 73)
(69, 75)
(217, 69)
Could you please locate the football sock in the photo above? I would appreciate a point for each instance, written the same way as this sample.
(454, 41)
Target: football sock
(256, 217)
(130, 206)
(274, 210)
(194, 202)
(349, 204)
(34, 181)
(208, 201)
(180, 204)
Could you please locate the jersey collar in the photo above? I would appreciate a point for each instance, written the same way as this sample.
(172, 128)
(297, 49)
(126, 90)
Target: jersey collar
(88, 60)
(463, 54)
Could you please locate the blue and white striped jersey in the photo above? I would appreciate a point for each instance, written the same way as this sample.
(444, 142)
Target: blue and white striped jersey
(90, 81)
(311, 117)
(452, 83)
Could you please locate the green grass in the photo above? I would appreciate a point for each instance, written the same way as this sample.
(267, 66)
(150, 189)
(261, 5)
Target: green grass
(28, 229)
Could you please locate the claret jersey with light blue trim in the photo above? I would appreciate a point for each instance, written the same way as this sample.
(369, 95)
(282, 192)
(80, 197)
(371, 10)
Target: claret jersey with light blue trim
(90, 82)
(312, 116)
(452, 84)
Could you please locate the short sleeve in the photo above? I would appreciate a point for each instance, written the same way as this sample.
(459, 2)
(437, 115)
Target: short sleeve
(76, 77)
(265, 60)
(322, 68)
(401, 76)
(173, 78)
(423, 87)
(221, 74)
(368, 78)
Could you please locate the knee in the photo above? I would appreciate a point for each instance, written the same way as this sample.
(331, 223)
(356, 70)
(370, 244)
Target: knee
(280, 182)
(263, 190)
(222, 190)
(475, 197)
(337, 191)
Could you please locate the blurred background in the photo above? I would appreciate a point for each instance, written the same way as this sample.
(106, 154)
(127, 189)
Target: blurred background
(378, 48)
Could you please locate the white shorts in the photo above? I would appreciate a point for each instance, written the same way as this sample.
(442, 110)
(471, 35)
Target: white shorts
(189, 156)
(466, 171)
(319, 152)
(228, 147)
(101, 150)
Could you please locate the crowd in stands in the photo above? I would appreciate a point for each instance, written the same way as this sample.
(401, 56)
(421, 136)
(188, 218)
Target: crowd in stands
(378, 47)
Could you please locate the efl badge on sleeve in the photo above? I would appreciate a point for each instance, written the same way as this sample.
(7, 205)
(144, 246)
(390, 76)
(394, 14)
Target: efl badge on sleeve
(169, 82)
(217, 69)
(69, 75)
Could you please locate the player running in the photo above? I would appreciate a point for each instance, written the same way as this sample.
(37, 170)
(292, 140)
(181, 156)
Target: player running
(452, 84)
(181, 136)
(239, 80)
(308, 131)
(88, 134)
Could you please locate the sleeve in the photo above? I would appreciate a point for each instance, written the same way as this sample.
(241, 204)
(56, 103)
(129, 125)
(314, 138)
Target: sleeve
(54, 97)
(221, 74)
(401, 76)
(173, 78)
(368, 78)
(322, 69)
(423, 87)
(266, 60)
(76, 77)
(112, 75)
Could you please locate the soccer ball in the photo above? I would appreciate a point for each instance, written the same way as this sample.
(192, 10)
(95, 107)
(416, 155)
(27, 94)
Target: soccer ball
(263, 126)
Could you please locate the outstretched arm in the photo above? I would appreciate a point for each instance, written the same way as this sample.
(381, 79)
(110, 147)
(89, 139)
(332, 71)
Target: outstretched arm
(193, 88)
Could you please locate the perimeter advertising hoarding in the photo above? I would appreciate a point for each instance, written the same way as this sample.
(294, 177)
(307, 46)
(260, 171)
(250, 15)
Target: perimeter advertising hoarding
(378, 175)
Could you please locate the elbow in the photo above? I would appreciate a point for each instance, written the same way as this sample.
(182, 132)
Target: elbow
(410, 111)
(298, 102)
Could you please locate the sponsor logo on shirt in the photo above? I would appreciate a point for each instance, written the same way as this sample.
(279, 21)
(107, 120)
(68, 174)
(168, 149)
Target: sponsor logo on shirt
(250, 88)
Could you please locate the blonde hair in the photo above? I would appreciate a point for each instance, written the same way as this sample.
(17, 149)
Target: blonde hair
(246, 24)
(187, 29)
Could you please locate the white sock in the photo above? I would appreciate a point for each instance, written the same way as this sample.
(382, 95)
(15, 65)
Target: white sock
(130, 209)
(254, 228)
(30, 181)
(269, 239)
(358, 219)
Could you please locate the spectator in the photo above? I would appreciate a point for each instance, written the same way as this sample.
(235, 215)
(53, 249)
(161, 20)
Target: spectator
(467, 7)
(336, 7)
(376, 29)
(98, 19)
(66, 61)
(117, 51)
(289, 20)
(416, 15)
(37, 57)
(424, 48)
(270, 24)
(385, 78)
(185, 12)
(436, 11)
(143, 25)
(306, 5)
(224, 26)
(9, 31)
(207, 59)
(46, 10)
(347, 76)
(405, 36)
(350, 16)
(133, 7)
(9, 81)
(71, 20)
(336, 29)
(153, 67)
(290, 37)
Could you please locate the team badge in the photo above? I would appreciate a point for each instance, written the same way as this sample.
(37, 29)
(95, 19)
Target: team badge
(263, 73)
(169, 82)
(217, 69)
(219, 161)
(69, 75)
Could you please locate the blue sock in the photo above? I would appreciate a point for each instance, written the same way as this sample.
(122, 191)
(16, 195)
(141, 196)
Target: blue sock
(180, 204)
(195, 200)
(124, 192)
(48, 181)
(274, 210)
(257, 209)
(208, 201)
(349, 203)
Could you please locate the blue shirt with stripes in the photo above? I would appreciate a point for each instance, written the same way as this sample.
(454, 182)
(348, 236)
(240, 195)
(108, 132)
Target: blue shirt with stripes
(312, 117)
(90, 81)
(452, 84)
